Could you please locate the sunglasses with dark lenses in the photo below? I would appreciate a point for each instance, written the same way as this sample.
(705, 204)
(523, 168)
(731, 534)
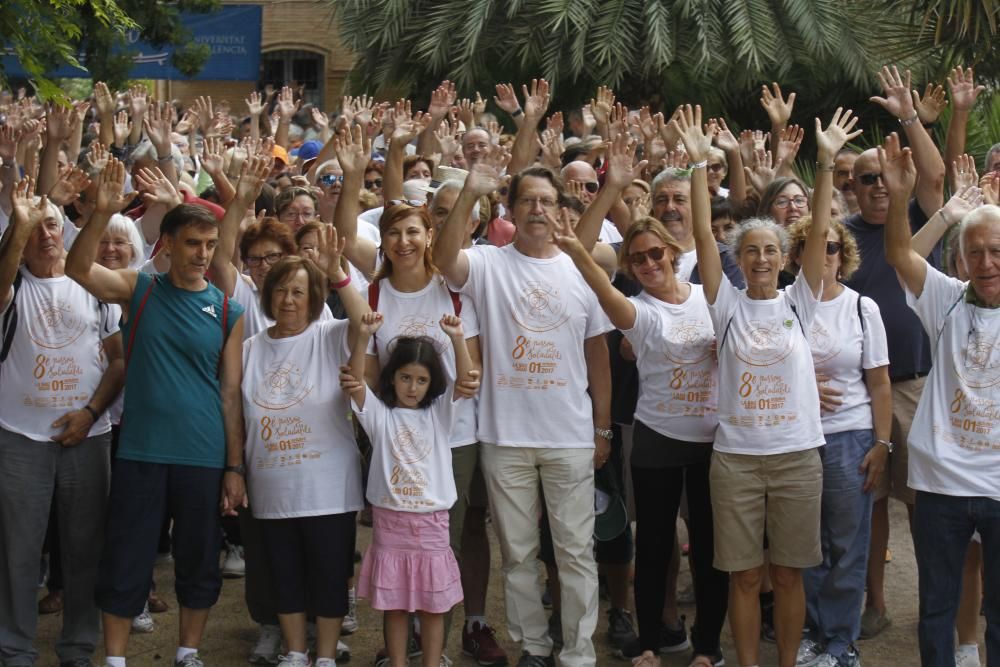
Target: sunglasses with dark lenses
(591, 186)
(377, 183)
(869, 179)
(716, 167)
(832, 247)
(330, 179)
(639, 258)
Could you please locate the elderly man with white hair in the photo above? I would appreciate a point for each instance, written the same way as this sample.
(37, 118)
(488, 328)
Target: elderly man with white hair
(55, 433)
(954, 463)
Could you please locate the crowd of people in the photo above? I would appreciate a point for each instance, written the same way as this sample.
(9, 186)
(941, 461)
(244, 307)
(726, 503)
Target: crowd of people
(252, 331)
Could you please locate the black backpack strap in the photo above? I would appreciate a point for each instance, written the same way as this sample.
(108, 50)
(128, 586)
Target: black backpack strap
(796, 314)
(10, 320)
(861, 317)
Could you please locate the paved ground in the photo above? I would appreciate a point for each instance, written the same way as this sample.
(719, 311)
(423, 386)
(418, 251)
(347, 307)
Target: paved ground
(230, 634)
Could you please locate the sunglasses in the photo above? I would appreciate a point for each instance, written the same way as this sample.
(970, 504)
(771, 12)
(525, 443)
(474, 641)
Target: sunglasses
(591, 186)
(639, 258)
(869, 179)
(416, 203)
(330, 179)
(270, 259)
(377, 183)
(716, 167)
(832, 247)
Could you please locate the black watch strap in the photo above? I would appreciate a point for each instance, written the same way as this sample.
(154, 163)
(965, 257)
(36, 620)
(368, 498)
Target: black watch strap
(239, 470)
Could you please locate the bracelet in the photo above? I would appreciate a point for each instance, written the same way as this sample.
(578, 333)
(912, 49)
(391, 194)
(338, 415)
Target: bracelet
(164, 158)
(888, 444)
(343, 283)
(825, 167)
(516, 112)
(698, 165)
(605, 433)
(93, 413)
(909, 121)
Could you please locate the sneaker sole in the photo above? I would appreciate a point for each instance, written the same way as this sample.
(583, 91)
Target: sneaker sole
(675, 648)
(484, 663)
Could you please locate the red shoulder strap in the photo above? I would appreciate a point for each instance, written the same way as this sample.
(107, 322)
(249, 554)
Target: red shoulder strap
(456, 302)
(135, 320)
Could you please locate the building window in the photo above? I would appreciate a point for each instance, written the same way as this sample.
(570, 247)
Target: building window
(295, 68)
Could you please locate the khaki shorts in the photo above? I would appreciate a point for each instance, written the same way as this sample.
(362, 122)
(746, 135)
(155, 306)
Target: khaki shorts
(893, 482)
(777, 493)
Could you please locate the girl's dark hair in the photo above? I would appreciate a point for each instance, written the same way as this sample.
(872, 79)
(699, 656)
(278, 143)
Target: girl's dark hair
(420, 350)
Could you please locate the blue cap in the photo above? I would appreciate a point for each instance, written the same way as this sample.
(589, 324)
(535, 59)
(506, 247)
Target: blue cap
(309, 150)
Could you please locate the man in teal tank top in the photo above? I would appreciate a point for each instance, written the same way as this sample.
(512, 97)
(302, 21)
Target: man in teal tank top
(182, 438)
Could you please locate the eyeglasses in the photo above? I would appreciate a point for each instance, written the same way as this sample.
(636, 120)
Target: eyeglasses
(270, 259)
(869, 179)
(330, 179)
(416, 203)
(115, 244)
(799, 201)
(639, 258)
(832, 247)
(716, 167)
(292, 214)
(531, 202)
(377, 183)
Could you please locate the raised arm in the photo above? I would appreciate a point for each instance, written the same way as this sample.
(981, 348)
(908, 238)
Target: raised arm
(330, 260)
(620, 173)
(441, 100)
(352, 376)
(526, 142)
(451, 325)
(159, 123)
(253, 173)
(212, 162)
(159, 196)
(828, 144)
(506, 99)
(688, 125)
(25, 218)
(964, 91)
(406, 130)
(899, 174)
(730, 145)
(105, 104)
(108, 285)
(287, 106)
(58, 127)
(778, 109)
(962, 202)
(618, 308)
(353, 150)
(898, 101)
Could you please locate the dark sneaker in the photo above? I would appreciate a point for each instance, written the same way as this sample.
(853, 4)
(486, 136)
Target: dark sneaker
(480, 643)
(555, 632)
(528, 660)
(620, 628)
(674, 640)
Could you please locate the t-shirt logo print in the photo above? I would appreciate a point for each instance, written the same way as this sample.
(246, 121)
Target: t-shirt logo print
(980, 367)
(539, 307)
(282, 387)
(688, 342)
(210, 309)
(823, 345)
(766, 343)
(409, 446)
(55, 325)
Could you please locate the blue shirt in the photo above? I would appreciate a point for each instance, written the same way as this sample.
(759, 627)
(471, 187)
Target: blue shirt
(909, 349)
(173, 406)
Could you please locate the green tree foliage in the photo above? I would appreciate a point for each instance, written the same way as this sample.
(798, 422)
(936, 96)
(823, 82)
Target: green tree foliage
(94, 34)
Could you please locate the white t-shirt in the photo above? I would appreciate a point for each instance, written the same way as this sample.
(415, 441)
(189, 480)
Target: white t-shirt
(418, 314)
(609, 233)
(254, 321)
(411, 457)
(686, 264)
(954, 442)
(301, 456)
(366, 230)
(674, 345)
(56, 359)
(841, 350)
(536, 315)
(768, 402)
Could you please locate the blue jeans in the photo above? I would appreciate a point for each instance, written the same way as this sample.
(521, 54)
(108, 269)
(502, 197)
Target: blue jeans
(835, 588)
(942, 528)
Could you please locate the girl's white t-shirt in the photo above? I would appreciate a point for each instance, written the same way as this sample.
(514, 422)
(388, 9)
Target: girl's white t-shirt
(768, 401)
(56, 359)
(301, 456)
(418, 314)
(411, 457)
(254, 321)
(954, 442)
(842, 350)
(674, 345)
(536, 315)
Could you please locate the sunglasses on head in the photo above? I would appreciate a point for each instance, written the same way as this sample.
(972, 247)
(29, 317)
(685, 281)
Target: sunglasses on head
(832, 247)
(330, 179)
(639, 258)
(406, 202)
(377, 183)
(869, 179)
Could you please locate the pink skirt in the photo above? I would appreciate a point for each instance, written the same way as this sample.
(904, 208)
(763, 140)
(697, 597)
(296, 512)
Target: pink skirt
(409, 564)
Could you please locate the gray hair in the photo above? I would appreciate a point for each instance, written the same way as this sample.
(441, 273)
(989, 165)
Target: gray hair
(994, 150)
(319, 170)
(736, 236)
(670, 175)
(145, 150)
(120, 224)
(984, 215)
(453, 184)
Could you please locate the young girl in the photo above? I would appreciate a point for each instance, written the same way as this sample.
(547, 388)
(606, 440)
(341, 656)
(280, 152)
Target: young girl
(409, 566)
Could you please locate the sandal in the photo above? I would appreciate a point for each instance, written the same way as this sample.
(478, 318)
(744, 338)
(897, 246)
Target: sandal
(156, 603)
(51, 603)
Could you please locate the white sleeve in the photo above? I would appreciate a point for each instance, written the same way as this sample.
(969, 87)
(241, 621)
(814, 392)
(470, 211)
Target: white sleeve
(726, 300)
(640, 327)
(597, 320)
(477, 270)
(938, 296)
(375, 412)
(470, 316)
(806, 303)
(112, 313)
(874, 345)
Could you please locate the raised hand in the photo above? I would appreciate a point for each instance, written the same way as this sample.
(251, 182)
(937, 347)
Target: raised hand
(441, 100)
(495, 131)
(640, 207)
(25, 209)
(563, 234)
(536, 100)
(761, 171)
(111, 197)
(620, 156)
(552, 148)
(725, 140)
(320, 119)
(203, 107)
(8, 143)
(212, 159)
(451, 325)
(465, 113)
(187, 122)
(159, 123)
(138, 102)
(287, 106)
(370, 323)
(789, 141)
(486, 176)
(447, 136)
(963, 202)
(478, 106)
(688, 126)
(832, 139)
(157, 189)
(963, 172)
(103, 100)
(589, 121)
(778, 109)
(59, 120)
(964, 90)
(407, 129)
(72, 181)
(676, 159)
(255, 104)
(363, 109)
(353, 149)
(122, 128)
(506, 99)
(97, 156)
(990, 185)
(601, 105)
(898, 173)
(253, 175)
(929, 107)
(898, 99)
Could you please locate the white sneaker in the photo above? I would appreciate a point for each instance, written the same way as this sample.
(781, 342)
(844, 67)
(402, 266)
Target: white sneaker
(268, 645)
(343, 651)
(143, 623)
(293, 661)
(350, 624)
(445, 661)
(807, 654)
(825, 660)
(234, 566)
(967, 658)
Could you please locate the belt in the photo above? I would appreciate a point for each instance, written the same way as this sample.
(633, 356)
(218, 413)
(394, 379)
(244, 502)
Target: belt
(907, 376)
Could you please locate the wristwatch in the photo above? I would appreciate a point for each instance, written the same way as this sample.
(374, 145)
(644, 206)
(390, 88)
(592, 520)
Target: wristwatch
(240, 470)
(888, 444)
(605, 433)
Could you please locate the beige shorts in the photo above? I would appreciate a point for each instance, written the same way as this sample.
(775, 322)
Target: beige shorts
(777, 493)
(893, 482)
